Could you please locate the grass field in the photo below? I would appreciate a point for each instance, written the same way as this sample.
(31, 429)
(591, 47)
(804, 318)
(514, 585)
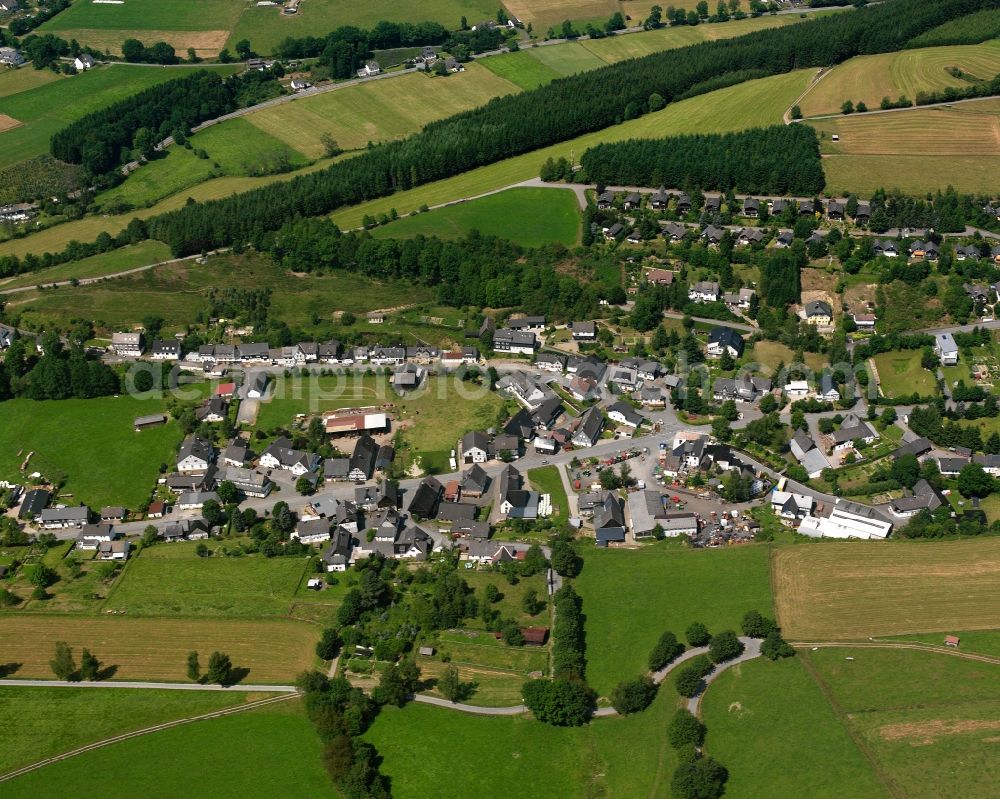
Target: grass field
(273, 751)
(247, 587)
(274, 650)
(900, 374)
(631, 597)
(870, 78)
(751, 104)
(568, 58)
(87, 427)
(145, 252)
(522, 68)
(54, 720)
(929, 721)
(770, 354)
(50, 106)
(543, 13)
(14, 81)
(528, 216)
(546, 480)
(265, 27)
(775, 731)
(916, 151)
(858, 589)
(377, 111)
(176, 293)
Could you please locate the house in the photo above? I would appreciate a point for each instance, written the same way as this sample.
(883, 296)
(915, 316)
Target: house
(153, 420)
(835, 210)
(589, 427)
(195, 455)
(644, 507)
(847, 520)
(819, 313)
(214, 410)
(808, 454)
(545, 415)
(281, 455)
(704, 291)
(514, 341)
(165, 350)
(583, 388)
(258, 385)
(10, 57)
(93, 535)
(713, 203)
(609, 521)
(779, 206)
(83, 62)
(456, 513)
(475, 482)
(384, 458)
(156, 510)
(806, 208)
(946, 348)
(60, 518)
(632, 201)
(113, 550)
(314, 531)
(384, 496)
(977, 292)
(990, 463)
(362, 462)
(369, 69)
(784, 239)
(673, 231)
(713, 235)
(724, 339)
(247, 482)
(923, 497)
(827, 388)
(678, 523)
(968, 252)
(505, 446)
(751, 207)
(851, 430)
(749, 236)
(299, 85)
(863, 214)
(196, 481)
(614, 231)
(924, 249)
(865, 321)
(126, 345)
(916, 447)
(625, 377)
(113, 513)
(683, 203)
(950, 467)
(796, 389)
(426, 57)
(236, 453)
(550, 362)
(524, 388)
(791, 506)
(584, 331)
(743, 388)
(337, 555)
(336, 469)
(195, 500)
(739, 299)
(452, 65)
(426, 498)
(407, 377)
(885, 248)
(625, 414)
(660, 200)
(9, 6)
(649, 370)
(606, 201)
(514, 501)
(536, 323)
(474, 447)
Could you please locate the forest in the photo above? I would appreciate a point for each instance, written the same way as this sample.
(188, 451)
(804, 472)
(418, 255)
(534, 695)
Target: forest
(782, 159)
(560, 110)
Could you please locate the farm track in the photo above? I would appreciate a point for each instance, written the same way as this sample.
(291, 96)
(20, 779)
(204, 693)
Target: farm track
(144, 731)
(893, 645)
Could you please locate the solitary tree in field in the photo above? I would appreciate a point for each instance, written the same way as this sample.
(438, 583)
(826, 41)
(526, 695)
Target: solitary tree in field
(220, 669)
(89, 665)
(450, 685)
(63, 665)
(193, 667)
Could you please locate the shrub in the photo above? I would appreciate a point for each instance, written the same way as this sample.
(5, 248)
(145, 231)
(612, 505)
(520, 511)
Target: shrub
(724, 646)
(685, 729)
(633, 696)
(697, 634)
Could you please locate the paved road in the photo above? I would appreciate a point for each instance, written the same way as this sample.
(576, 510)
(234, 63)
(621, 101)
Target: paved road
(169, 686)
(751, 650)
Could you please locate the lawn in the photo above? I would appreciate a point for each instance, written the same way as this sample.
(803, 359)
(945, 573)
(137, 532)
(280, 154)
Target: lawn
(770, 354)
(146, 252)
(266, 26)
(273, 751)
(546, 480)
(752, 104)
(176, 293)
(246, 587)
(47, 108)
(774, 730)
(528, 216)
(869, 78)
(860, 589)
(929, 721)
(521, 68)
(274, 650)
(54, 720)
(900, 374)
(377, 111)
(66, 437)
(631, 596)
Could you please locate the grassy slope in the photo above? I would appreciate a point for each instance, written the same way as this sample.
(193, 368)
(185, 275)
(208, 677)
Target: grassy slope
(50, 107)
(54, 720)
(631, 597)
(900, 373)
(531, 217)
(14, 81)
(271, 752)
(377, 111)
(771, 726)
(91, 442)
(145, 252)
(546, 480)
(752, 104)
(522, 69)
(192, 15)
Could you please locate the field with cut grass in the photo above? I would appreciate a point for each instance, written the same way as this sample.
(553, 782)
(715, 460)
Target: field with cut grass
(13, 81)
(771, 354)
(916, 151)
(87, 427)
(568, 58)
(377, 111)
(870, 78)
(850, 590)
(48, 721)
(900, 374)
(176, 293)
(528, 216)
(774, 730)
(752, 104)
(266, 26)
(273, 650)
(146, 252)
(927, 720)
(543, 13)
(631, 597)
(522, 68)
(247, 587)
(50, 106)
(273, 751)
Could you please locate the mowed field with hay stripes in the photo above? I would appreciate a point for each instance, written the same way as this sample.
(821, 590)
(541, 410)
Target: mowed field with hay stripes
(852, 590)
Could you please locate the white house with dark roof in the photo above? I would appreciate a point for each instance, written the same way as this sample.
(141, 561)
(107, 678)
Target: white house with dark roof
(195, 455)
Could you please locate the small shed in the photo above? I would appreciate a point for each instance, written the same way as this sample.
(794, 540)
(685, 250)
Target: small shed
(535, 636)
(426, 651)
(951, 640)
(152, 420)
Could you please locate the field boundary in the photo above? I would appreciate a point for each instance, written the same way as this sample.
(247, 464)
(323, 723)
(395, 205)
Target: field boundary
(144, 731)
(916, 645)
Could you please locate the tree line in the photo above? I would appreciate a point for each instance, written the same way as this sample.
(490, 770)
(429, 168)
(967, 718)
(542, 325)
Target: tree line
(45, 11)
(560, 110)
(57, 373)
(781, 159)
